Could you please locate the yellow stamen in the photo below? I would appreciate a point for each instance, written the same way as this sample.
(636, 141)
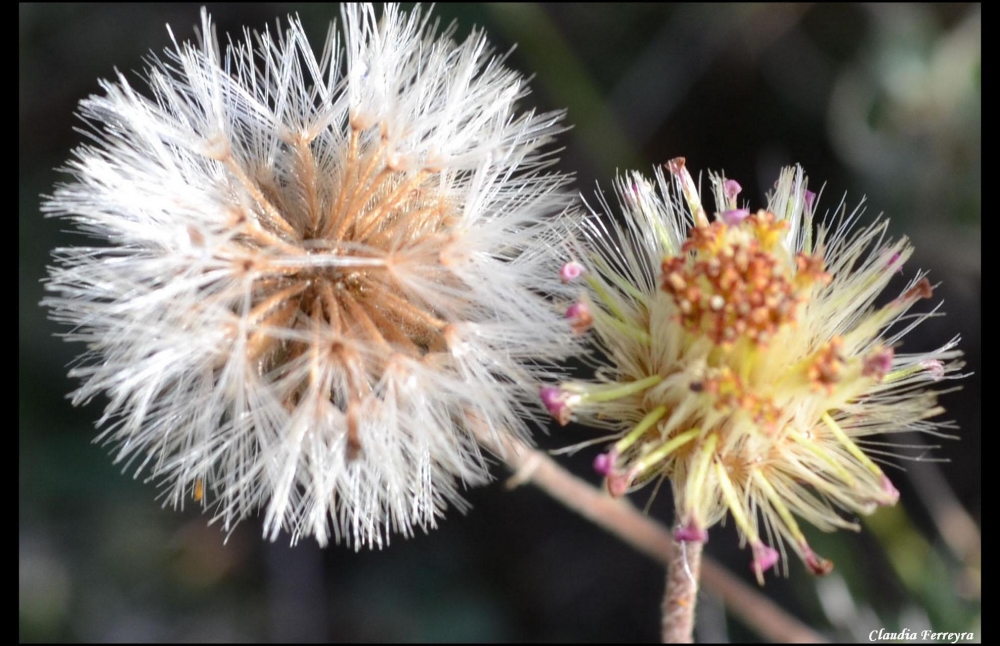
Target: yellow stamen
(735, 505)
(835, 466)
(851, 446)
(902, 373)
(624, 390)
(638, 335)
(779, 506)
(640, 429)
(661, 453)
(606, 298)
(696, 477)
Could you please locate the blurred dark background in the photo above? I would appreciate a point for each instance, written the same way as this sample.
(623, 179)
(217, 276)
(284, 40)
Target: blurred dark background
(877, 101)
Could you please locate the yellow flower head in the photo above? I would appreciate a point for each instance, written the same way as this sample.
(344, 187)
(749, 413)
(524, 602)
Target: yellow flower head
(748, 359)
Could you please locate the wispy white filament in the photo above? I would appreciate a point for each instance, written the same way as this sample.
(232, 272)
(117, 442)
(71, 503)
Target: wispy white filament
(315, 275)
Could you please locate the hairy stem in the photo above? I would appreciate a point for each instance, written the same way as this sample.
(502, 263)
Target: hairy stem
(620, 518)
(681, 595)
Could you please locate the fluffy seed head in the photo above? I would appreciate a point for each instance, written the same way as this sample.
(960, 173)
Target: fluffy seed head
(318, 276)
(748, 359)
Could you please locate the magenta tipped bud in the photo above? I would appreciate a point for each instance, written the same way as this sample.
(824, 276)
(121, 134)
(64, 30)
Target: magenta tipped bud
(895, 263)
(731, 188)
(632, 194)
(877, 363)
(691, 533)
(764, 558)
(733, 217)
(604, 463)
(618, 484)
(934, 367)
(579, 317)
(810, 198)
(571, 271)
(676, 165)
(554, 400)
(818, 565)
(551, 397)
(890, 491)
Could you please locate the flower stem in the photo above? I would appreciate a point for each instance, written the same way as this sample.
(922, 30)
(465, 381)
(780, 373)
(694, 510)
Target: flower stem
(619, 518)
(681, 595)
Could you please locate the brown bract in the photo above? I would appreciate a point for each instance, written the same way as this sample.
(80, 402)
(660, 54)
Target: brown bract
(370, 216)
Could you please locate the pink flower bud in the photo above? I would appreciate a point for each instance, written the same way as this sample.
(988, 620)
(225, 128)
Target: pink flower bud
(731, 188)
(891, 493)
(571, 271)
(810, 198)
(934, 367)
(618, 484)
(555, 401)
(764, 558)
(691, 533)
(877, 363)
(895, 263)
(604, 463)
(733, 217)
(818, 565)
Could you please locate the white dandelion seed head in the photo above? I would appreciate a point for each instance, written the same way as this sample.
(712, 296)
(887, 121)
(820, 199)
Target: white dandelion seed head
(318, 275)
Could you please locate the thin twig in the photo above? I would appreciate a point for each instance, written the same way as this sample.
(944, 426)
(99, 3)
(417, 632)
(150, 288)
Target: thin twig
(681, 594)
(620, 518)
